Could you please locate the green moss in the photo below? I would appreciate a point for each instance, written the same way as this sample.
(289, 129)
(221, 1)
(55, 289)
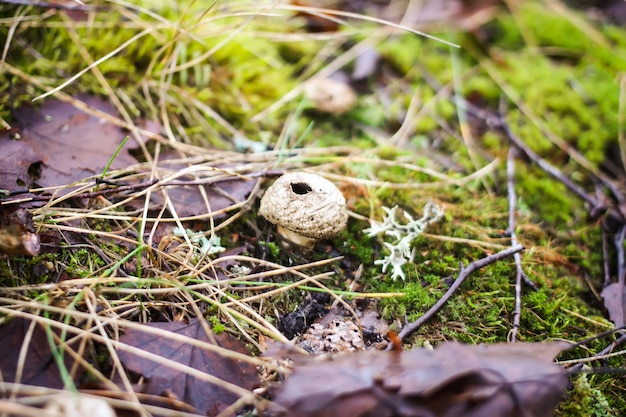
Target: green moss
(20, 270)
(544, 195)
(216, 325)
(585, 399)
(273, 248)
(83, 263)
(402, 52)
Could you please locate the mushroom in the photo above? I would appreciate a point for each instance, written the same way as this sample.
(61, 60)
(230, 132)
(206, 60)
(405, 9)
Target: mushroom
(330, 95)
(305, 208)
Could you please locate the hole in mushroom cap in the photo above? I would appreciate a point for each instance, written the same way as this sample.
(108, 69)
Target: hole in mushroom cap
(301, 188)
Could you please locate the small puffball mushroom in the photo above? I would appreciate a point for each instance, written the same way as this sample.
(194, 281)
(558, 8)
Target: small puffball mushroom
(329, 95)
(305, 208)
(68, 404)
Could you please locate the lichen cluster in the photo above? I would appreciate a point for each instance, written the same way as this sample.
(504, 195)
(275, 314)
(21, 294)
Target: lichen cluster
(403, 234)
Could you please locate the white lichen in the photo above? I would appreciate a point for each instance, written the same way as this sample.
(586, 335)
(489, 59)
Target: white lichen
(207, 246)
(240, 270)
(403, 234)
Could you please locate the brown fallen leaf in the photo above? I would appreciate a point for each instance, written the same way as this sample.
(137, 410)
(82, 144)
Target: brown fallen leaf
(465, 15)
(17, 232)
(188, 200)
(17, 164)
(614, 296)
(205, 397)
(504, 380)
(38, 367)
(70, 143)
(61, 144)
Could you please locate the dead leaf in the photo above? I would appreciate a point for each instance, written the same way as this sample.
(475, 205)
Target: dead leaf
(164, 381)
(505, 380)
(188, 200)
(365, 65)
(374, 327)
(70, 143)
(318, 22)
(16, 164)
(465, 15)
(17, 232)
(614, 296)
(39, 367)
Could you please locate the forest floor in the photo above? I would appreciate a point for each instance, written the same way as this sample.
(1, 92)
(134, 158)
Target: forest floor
(138, 138)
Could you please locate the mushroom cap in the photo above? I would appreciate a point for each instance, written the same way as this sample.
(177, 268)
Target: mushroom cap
(306, 204)
(329, 95)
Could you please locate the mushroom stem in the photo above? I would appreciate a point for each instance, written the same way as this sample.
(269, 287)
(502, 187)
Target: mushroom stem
(297, 238)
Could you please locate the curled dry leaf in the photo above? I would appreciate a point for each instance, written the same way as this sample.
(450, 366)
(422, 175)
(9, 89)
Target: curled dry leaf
(614, 296)
(465, 15)
(17, 233)
(512, 380)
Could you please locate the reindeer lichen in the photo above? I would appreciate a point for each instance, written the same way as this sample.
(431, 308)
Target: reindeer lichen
(401, 250)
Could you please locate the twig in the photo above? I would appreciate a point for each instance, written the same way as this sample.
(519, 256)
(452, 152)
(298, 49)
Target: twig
(519, 273)
(597, 205)
(140, 186)
(620, 341)
(619, 248)
(108, 191)
(605, 260)
(545, 165)
(463, 275)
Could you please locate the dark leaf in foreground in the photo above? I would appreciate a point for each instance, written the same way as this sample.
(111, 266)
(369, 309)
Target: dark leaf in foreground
(38, 367)
(504, 380)
(165, 381)
(614, 296)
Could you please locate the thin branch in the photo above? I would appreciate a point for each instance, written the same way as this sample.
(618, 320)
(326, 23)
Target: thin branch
(519, 273)
(140, 186)
(545, 165)
(463, 275)
(607, 350)
(605, 259)
(619, 248)
(597, 205)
